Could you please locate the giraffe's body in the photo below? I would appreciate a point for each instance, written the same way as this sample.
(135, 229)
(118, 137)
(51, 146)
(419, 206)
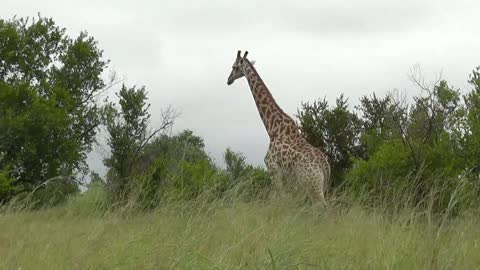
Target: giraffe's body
(290, 157)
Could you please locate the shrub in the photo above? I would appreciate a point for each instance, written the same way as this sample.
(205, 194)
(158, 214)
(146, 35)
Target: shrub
(48, 109)
(91, 202)
(6, 186)
(422, 153)
(51, 193)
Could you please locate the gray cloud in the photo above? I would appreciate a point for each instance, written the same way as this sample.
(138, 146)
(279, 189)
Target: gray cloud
(319, 17)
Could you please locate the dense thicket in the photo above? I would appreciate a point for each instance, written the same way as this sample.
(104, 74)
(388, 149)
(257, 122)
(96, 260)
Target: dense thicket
(48, 116)
(386, 146)
(424, 152)
(145, 167)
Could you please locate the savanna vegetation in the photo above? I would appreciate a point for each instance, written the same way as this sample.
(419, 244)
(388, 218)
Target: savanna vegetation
(404, 192)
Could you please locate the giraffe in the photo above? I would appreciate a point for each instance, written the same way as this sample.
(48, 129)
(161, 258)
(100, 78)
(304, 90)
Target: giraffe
(290, 158)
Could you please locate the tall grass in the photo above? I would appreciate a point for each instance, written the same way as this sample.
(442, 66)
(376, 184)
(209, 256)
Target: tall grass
(231, 232)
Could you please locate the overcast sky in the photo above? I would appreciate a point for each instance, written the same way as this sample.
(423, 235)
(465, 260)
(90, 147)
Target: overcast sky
(182, 52)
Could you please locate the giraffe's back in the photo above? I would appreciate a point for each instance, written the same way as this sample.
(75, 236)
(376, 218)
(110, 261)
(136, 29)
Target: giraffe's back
(294, 151)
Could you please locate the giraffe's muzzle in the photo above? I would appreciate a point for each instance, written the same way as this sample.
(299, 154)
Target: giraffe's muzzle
(230, 80)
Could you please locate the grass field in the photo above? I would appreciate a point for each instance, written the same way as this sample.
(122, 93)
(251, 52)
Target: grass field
(277, 234)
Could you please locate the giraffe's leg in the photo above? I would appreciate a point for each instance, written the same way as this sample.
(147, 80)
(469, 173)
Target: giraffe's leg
(313, 180)
(273, 169)
(318, 190)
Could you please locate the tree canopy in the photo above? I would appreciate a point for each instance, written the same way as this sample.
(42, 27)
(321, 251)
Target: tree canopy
(48, 114)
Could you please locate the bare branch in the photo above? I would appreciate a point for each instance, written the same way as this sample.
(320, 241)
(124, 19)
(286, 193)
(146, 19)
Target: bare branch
(399, 102)
(168, 116)
(417, 76)
(113, 80)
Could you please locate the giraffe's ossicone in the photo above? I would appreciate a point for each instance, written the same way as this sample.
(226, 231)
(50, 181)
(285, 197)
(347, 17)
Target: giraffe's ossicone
(290, 159)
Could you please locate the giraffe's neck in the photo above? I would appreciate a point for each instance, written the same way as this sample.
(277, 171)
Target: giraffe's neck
(275, 120)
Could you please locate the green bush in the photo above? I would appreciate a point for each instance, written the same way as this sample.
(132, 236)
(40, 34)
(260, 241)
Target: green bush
(6, 186)
(258, 183)
(49, 82)
(162, 183)
(336, 131)
(94, 201)
(172, 166)
(171, 178)
(244, 180)
(192, 178)
(390, 163)
(51, 193)
(421, 153)
(389, 179)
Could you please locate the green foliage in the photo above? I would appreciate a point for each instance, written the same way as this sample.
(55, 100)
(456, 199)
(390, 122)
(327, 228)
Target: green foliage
(258, 183)
(193, 178)
(471, 127)
(184, 146)
(170, 160)
(382, 121)
(127, 129)
(426, 152)
(167, 166)
(423, 153)
(6, 185)
(419, 154)
(177, 165)
(52, 192)
(94, 201)
(248, 181)
(48, 115)
(128, 135)
(177, 168)
(390, 163)
(236, 165)
(95, 179)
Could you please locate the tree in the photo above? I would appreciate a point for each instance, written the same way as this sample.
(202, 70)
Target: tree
(382, 119)
(48, 114)
(471, 137)
(236, 167)
(184, 146)
(336, 130)
(128, 133)
(421, 148)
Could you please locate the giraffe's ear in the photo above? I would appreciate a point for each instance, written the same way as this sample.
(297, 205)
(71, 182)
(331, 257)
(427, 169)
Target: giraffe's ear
(252, 62)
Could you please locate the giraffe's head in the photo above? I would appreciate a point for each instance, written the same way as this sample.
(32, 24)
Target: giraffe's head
(237, 71)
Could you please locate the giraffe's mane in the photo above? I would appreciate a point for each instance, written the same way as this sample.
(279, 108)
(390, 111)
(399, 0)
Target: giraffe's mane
(268, 93)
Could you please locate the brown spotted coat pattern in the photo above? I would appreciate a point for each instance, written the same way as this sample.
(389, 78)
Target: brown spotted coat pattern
(290, 159)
